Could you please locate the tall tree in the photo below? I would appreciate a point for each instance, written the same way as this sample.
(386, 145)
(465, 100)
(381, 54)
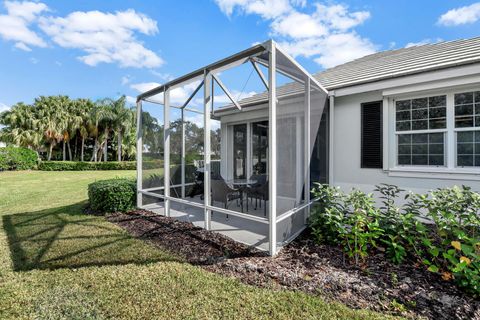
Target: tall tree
(121, 120)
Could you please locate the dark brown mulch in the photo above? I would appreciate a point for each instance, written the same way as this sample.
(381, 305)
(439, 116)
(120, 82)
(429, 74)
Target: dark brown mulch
(407, 290)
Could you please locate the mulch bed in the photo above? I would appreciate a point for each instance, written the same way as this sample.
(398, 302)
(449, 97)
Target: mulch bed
(407, 290)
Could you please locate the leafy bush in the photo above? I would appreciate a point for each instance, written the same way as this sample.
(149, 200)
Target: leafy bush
(453, 246)
(16, 158)
(112, 195)
(348, 220)
(440, 229)
(83, 166)
(401, 227)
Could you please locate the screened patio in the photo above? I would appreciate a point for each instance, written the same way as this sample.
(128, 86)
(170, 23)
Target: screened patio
(242, 167)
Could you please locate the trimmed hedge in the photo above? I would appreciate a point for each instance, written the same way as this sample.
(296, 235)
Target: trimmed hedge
(16, 158)
(112, 195)
(83, 166)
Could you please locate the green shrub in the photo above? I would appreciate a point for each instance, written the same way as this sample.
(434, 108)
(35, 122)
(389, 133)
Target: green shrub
(82, 166)
(351, 221)
(440, 229)
(453, 246)
(16, 158)
(401, 227)
(326, 220)
(112, 195)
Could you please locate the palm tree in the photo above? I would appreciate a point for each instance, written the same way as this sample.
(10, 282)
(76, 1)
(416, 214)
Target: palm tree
(121, 122)
(51, 123)
(105, 117)
(93, 128)
(84, 109)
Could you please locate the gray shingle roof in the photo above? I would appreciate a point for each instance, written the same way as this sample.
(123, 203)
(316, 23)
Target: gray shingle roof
(395, 63)
(389, 64)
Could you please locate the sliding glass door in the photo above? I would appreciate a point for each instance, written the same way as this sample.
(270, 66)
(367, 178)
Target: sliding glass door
(259, 147)
(240, 151)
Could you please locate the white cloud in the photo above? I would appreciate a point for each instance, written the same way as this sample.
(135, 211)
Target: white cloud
(33, 60)
(22, 46)
(3, 107)
(423, 42)
(161, 75)
(268, 9)
(144, 86)
(462, 15)
(131, 100)
(14, 26)
(178, 95)
(326, 35)
(299, 25)
(105, 37)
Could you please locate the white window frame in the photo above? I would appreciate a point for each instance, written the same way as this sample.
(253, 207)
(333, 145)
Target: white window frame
(450, 170)
(463, 129)
(444, 131)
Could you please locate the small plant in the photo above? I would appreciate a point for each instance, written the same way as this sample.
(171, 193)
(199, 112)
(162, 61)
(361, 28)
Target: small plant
(400, 226)
(326, 220)
(347, 220)
(363, 228)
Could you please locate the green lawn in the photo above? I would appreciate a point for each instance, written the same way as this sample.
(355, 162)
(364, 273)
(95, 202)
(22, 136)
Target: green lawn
(57, 263)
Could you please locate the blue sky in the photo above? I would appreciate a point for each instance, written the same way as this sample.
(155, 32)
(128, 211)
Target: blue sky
(99, 49)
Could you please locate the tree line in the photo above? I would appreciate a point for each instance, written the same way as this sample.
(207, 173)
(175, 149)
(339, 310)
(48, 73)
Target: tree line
(61, 128)
(58, 125)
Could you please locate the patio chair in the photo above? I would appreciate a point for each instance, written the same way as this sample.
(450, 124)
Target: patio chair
(259, 191)
(222, 192)
(197, 188)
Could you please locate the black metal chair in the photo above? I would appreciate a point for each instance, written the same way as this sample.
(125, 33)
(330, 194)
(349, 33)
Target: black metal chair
(222, 192)
(259, 191)
(197, 188)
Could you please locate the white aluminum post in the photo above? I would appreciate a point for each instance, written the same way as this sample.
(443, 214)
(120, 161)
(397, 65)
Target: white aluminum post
(272, 143)
(139, 154)
(166, 149)
(183, 154)
(308, 146)
(207, 107)
(331, 120)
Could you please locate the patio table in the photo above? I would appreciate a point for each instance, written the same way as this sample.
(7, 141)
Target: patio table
(242, 185)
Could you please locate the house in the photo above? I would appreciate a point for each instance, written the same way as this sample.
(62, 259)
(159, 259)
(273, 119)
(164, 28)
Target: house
(409, 117)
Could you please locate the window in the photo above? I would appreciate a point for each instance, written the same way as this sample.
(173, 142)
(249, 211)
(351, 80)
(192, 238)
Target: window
(467, 126)
(468, 148)
(467, 109)
(424, 149)
(421, 114)
(420, 127)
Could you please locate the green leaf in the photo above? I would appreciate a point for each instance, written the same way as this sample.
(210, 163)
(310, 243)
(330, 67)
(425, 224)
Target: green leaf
(433, 268)
(434, 251)
(468, 250)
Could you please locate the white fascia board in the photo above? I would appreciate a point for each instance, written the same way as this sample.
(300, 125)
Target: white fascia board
(435, 85)
(453, 72)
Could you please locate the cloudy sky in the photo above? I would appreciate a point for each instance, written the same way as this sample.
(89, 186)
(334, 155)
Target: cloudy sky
(101, 49)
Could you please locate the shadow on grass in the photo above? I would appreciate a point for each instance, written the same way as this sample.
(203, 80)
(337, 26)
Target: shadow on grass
(64, 237)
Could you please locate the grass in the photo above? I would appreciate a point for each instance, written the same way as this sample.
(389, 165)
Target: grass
(57, 263)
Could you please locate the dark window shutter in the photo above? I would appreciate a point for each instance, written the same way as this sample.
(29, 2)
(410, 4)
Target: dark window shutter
(372, 151)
